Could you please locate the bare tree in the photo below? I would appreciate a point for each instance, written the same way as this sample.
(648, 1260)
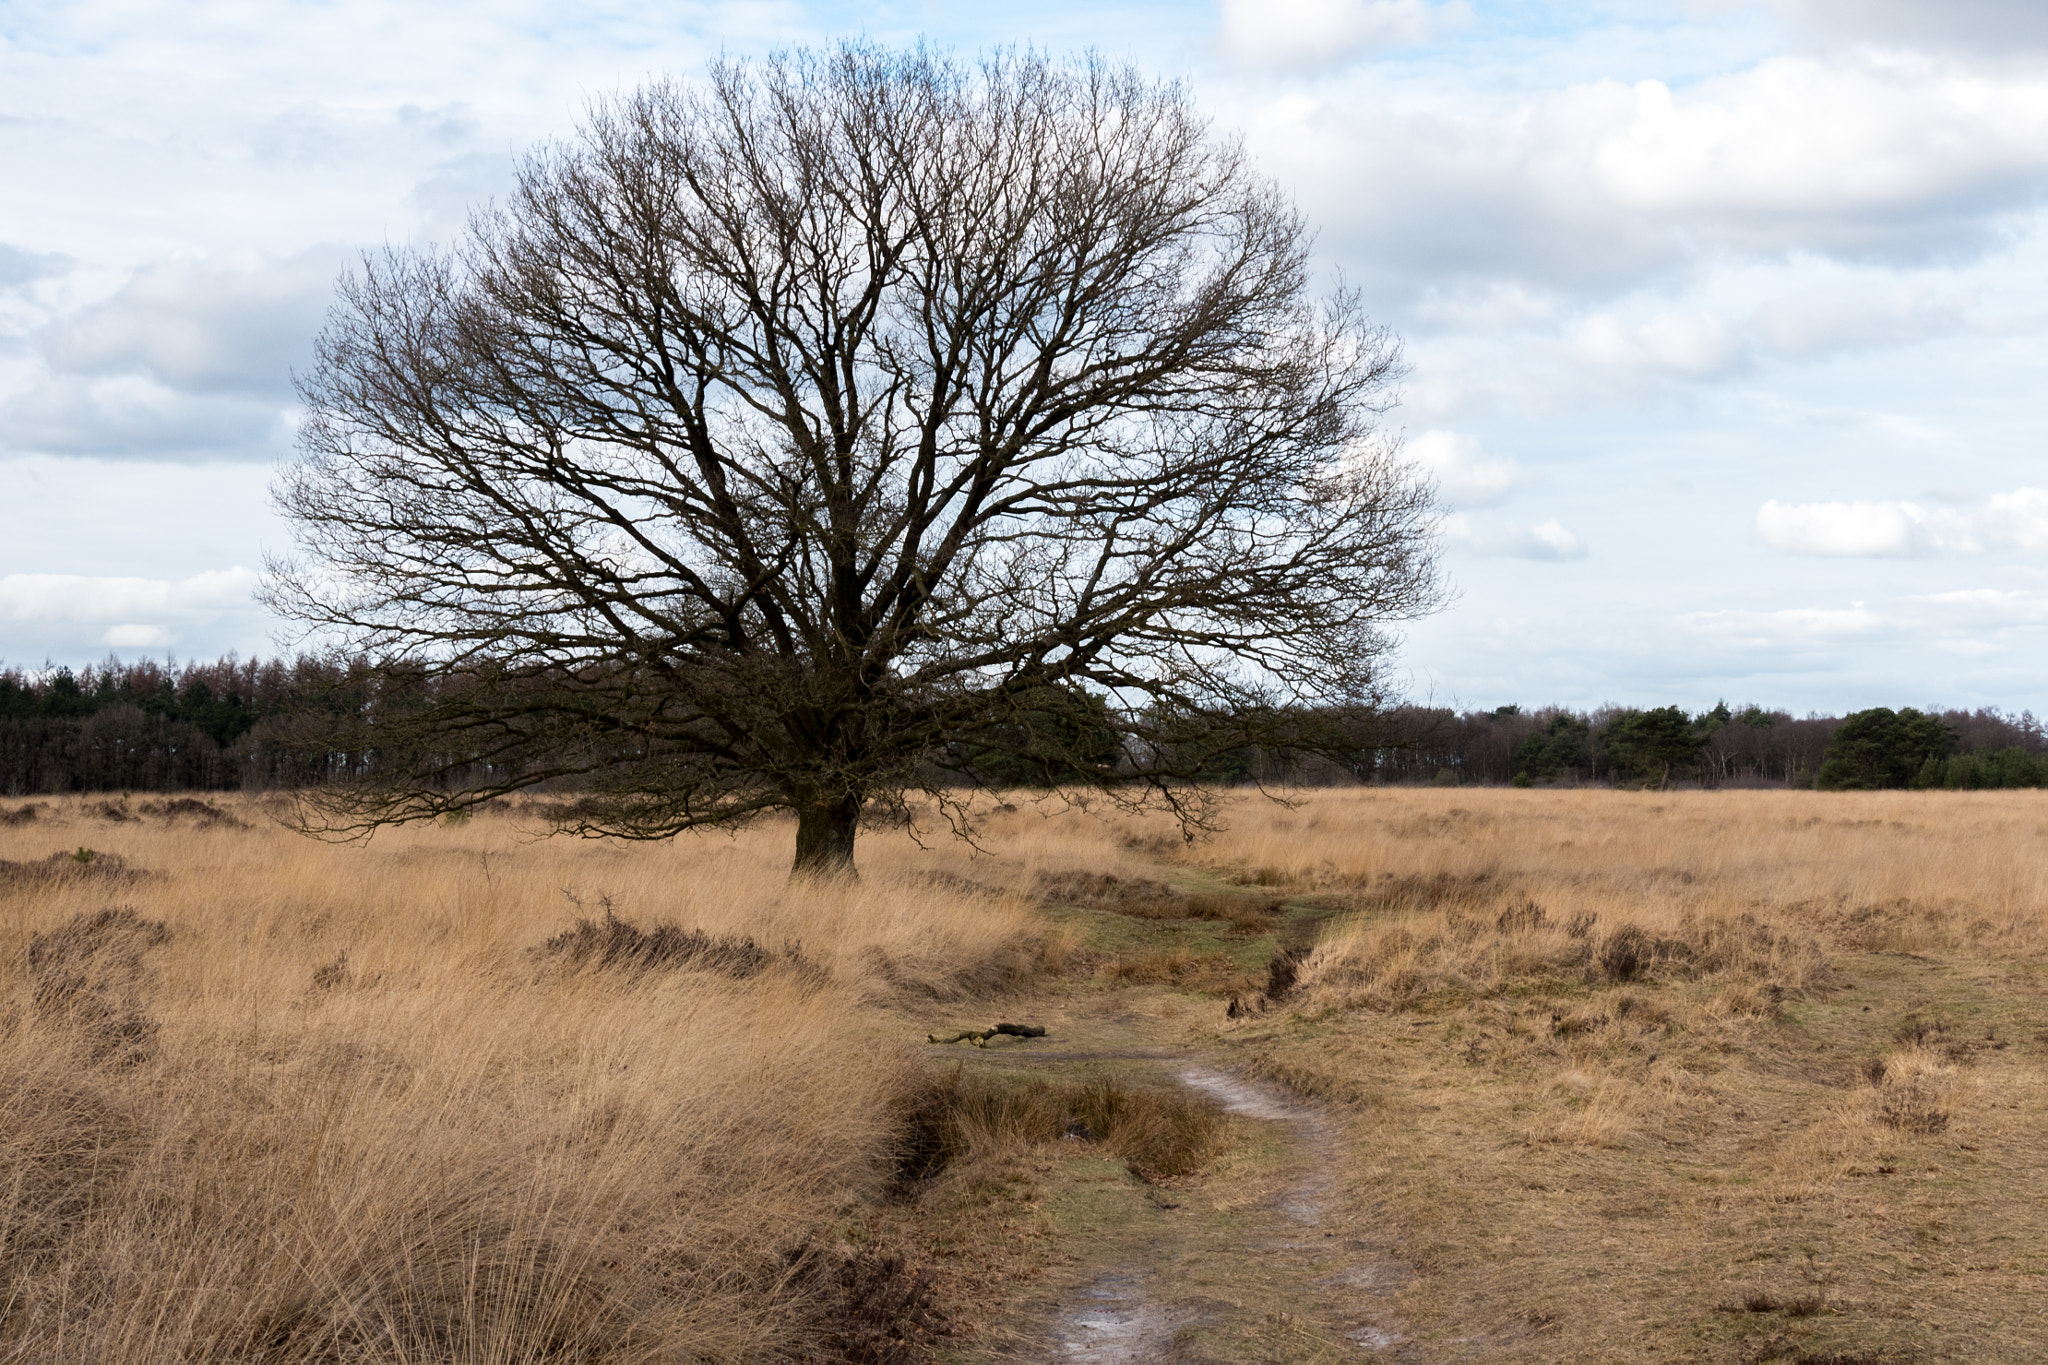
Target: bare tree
(784, 438)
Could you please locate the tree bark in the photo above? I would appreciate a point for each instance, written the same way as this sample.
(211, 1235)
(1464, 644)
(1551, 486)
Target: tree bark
(825, 827)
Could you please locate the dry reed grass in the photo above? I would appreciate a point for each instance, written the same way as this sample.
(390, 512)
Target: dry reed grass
(309, 1103)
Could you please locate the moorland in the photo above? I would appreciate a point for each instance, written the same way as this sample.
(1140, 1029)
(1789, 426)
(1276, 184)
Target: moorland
(1410, 1074)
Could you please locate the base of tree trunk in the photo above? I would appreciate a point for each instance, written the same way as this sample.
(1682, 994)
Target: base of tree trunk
(824, 838)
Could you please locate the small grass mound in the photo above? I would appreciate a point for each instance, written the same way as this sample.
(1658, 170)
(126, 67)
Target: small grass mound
(1138, 897)
(1915, 1088)
(875, 1306)
(89, 975)
(1145, 898)
(186, 808)
(65, 869)
(614, 944)
(957, 1116)
(1760, 1301)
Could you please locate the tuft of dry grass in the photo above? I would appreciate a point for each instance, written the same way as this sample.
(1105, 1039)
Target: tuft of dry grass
(613, 944)
(1160, 1133)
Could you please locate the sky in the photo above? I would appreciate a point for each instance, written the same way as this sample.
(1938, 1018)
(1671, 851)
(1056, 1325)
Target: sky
(1725, 321)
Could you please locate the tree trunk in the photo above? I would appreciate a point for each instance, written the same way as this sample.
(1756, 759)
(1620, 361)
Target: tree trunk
(824, 837)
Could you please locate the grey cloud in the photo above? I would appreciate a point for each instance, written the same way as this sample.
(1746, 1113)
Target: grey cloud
(442, 123)
(1310, 36)
(127, 417)
(1426, 203)
(1818, 322)
(442, 200)
(19, 266)
(1983, 25)
(218, 326)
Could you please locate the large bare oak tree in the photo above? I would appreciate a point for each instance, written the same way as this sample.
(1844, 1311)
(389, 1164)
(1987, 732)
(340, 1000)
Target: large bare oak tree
(788, 438)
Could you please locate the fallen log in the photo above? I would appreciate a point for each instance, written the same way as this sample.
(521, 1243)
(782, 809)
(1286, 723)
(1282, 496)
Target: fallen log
(980, 1037)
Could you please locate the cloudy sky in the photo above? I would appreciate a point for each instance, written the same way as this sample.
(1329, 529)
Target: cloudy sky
(1726, 320)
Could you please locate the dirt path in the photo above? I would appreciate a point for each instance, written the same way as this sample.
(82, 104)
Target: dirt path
(1268, 1255)
(1284, 1276)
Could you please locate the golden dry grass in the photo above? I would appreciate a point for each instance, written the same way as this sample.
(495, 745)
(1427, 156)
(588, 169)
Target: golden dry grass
(1741, 1076)
(1810, 1077)
(342, 1111)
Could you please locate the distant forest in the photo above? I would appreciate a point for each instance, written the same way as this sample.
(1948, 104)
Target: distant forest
(235, 725)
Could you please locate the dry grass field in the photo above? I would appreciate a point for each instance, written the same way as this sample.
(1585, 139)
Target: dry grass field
(1717, 1076)
(263, 1098)
(1618, 1076)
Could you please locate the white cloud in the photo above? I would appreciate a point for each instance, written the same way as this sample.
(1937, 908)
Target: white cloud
(1695, 346)
(1897, 528)
(1833, 153)
(1549, 539)
(122, 601)
(1859, 529)
(1603, 186)
(1319, 35)
(1792, 629)
(1466, 476)
(137, 637)
(2018, 518)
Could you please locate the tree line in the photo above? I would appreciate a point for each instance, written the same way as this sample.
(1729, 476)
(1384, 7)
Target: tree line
(234, 724)
(227, 725)
(1751, 745)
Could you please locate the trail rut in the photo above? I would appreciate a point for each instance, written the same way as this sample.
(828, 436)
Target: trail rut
(1288, 1279)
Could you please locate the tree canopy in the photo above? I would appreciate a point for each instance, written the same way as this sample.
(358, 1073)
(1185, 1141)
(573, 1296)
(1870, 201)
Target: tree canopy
(1881, 748)
(800, 437)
